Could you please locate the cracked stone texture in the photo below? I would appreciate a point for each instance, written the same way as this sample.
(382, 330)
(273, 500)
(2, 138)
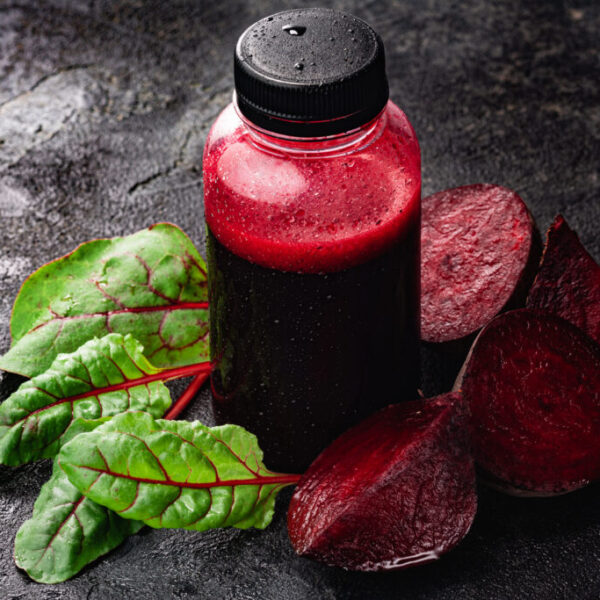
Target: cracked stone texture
(104, 109)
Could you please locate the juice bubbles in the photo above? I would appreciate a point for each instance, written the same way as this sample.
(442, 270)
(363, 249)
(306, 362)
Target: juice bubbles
(312, 202)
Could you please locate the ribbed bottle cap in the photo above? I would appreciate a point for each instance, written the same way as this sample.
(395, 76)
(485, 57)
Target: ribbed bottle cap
(310, 72)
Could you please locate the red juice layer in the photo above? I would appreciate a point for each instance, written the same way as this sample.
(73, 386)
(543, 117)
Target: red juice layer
(295, 211)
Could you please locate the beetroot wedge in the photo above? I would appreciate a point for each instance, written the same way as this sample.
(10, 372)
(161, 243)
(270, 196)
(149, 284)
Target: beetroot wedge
(568, 282)
(532, 381)
(479, 252)
(394, 491)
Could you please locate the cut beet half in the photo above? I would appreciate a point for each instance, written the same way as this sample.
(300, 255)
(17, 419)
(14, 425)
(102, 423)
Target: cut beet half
(395, 491)
(479, 253)
(532, 381)
(568, 282)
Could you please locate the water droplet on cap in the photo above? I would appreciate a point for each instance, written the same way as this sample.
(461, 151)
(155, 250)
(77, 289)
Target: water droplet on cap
(295, 30)
(299, 66)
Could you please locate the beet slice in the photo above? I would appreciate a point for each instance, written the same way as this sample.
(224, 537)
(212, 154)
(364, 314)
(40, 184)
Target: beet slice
(532, 381)
(568, 282)
(479, 253)
(394, 491)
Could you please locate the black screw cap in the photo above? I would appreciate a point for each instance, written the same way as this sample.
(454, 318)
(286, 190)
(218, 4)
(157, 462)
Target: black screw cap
(310, 72)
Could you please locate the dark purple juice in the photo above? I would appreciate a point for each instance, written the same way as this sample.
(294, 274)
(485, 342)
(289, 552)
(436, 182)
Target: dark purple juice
(302, 357)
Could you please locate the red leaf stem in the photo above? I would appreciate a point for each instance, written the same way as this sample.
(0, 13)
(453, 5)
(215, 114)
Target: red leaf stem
(164, 375)
(187, 396)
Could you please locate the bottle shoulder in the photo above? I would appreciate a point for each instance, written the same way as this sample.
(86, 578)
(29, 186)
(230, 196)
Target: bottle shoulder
(391, 126)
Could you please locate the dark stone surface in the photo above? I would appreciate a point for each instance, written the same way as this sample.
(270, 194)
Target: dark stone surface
(104, 108)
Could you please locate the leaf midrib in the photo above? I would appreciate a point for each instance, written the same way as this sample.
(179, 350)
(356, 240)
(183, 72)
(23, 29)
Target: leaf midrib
(163, 375)
(72, 512)
(261, 480)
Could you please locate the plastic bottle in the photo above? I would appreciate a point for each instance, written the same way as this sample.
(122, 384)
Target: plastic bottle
(312, 189)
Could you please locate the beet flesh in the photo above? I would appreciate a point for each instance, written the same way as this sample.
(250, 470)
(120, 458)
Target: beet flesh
(394, 491)
(479, 252)
(568, 281)
(532, 381)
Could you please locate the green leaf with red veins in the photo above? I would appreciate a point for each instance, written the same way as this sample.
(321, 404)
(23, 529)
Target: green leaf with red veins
(104, 377)
(151, 284)
(67, 531)
(174, 473)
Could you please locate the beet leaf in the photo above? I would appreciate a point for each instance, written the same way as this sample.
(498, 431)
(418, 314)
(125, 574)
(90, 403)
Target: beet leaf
(67, 530)
(102, 378)
(174, 474)
(151, 284)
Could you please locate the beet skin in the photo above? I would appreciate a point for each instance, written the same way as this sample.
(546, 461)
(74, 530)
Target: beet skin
(532, 381)
(568, 282)
(394, 491)
(479, 252)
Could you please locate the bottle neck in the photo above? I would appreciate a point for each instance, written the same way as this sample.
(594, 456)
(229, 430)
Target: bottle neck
(330, 145)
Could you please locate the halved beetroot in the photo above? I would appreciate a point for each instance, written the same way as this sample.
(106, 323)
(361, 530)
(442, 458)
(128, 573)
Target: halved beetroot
(394, 491)
(532, 381)
(568, 282)
(479, 252)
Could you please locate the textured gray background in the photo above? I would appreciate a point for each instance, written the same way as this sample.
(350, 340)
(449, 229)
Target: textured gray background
(104, 109)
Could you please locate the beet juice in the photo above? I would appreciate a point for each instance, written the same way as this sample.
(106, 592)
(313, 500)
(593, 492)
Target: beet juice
(312, 199)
